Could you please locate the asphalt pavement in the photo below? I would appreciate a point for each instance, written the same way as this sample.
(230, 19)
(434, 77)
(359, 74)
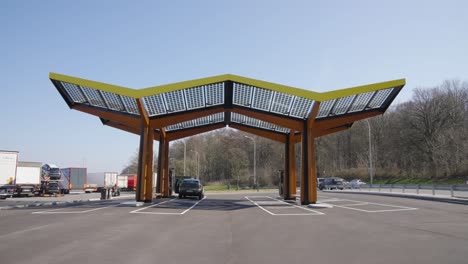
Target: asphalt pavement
(238, 228)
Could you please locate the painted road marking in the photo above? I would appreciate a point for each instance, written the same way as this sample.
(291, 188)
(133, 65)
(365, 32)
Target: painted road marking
(139, 211)
(56, 211)
(275, 206)
(353, 203)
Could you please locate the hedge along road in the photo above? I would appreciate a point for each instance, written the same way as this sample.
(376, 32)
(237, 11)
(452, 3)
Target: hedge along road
(239, 228)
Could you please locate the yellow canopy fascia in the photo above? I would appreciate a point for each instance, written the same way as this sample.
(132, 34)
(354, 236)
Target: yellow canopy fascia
(227, 77)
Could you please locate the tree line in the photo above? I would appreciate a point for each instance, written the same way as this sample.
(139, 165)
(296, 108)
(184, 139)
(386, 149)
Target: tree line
(425, 138)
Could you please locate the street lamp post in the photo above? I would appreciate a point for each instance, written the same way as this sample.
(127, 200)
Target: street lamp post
(255, 162)
(198, 163)
(370, 154)
(185, 154)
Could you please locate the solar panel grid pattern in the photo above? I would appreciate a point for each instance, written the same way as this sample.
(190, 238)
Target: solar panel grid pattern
(74, 92)
(343, 104)
(262, 99)
(214, 93)
(175, 101)
(93, 96)
(361, 101)
(281, 103)
(102, 99)
(206, 120)
(242, 94)
(249, 121)
(301, 107)
(154, 105)
(380, 98)
(113, 101)
(195, 97)
(325, 108)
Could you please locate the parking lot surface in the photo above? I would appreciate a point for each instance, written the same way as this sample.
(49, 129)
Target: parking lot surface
(238, 228)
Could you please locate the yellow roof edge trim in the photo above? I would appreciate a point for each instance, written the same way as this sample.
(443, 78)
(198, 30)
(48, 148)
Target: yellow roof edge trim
(228, 77)
(181, 85)
(95, 85)
(361, 89)
(225, 77)
(276, 87)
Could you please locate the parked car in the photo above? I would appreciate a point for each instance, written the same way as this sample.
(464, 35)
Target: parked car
(6, 191)
(319, 181)
(356, 183)
(191, 187)
(332, 183)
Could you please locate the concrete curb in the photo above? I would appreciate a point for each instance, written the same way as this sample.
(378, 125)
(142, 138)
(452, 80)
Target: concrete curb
(48, 203)
(411, 196)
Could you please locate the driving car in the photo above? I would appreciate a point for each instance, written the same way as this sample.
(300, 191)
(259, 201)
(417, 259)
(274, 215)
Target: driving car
(356, 183)
(191, 187)
(332, 183)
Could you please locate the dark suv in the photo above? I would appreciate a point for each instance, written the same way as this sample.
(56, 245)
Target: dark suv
(191, 187)
(50, 188)
(332, 183)
(6, 191)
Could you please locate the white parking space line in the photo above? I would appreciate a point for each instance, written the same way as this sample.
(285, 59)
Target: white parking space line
(362, 203)
(139, 211)
(377, 211)
(193, 206)
(56, 211)
(290, 206)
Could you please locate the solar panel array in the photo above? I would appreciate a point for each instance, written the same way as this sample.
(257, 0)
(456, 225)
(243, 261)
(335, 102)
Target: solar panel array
(183, 100)
(213, 94)
(271, 101)
(354, 103)
(249, 121)
(102, 99)
(202, 121)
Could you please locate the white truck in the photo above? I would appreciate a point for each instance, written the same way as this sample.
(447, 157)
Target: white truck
(122, 182)
(28, 178)
(23, 178)
(102, 179)
(8, 163)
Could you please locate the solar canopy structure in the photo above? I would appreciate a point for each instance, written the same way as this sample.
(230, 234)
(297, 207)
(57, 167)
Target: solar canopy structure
(174, 111)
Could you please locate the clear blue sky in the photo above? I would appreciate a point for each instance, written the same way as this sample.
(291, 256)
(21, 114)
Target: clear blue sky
(316, 45)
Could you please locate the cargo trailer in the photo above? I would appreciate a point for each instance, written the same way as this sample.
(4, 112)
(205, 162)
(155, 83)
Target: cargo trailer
(76, 178)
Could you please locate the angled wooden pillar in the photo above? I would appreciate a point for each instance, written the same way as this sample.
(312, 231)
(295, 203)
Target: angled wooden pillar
(289, 180)
(165, 175)
(309, 170)
(162, 186)
(144, 192)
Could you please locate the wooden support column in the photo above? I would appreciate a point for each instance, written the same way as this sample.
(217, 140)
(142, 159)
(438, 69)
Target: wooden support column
(289, 180)
(144, 192)
(309, 170)
(162, 186)
(165, 176)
